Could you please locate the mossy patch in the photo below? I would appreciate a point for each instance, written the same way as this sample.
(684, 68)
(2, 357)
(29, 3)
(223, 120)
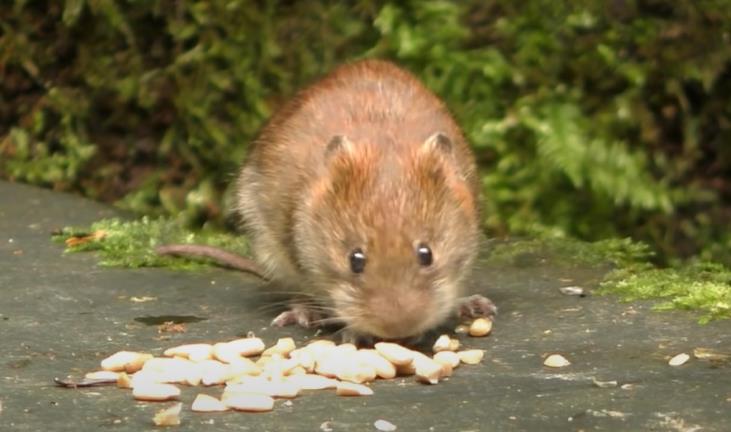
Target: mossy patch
(701, 286)
(122, 243)
(696, 285)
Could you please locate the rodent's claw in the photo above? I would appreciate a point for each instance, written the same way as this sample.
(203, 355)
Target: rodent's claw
(476, 306)
(297, 314)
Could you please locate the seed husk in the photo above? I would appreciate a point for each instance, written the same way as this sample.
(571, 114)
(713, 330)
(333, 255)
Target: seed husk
(207, 403)
(556, 361)
(384, 426)
(442, 343)
(679, 359)
(480, 327)
(471, 357)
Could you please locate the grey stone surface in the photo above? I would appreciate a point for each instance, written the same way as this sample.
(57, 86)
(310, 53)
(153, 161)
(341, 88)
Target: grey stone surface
(60, 314)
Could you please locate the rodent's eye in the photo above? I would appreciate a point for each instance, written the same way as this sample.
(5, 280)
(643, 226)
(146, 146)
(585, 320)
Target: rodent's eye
(424, 254)
(357, 260)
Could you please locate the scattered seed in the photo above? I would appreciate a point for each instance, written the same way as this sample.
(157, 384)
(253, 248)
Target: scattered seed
(103, 375)
(173, 370)
(480, 327)
(207, 403)
(213, 372)
(320, 345)
(427, 370)
(283, 347)
(261, 385)
(447, 358)
(168, 416)
(249, 402)
(462, 329)
(193, 352)
(679, 359)
(352, 389)
(572, 291)
(230, 351)
(556, 361)
(384, 368)
(442, 343)
(395, 353)
(354, 371)
(384, 426)
(281, 371)
(127, 361)
(471, 357)
(155, 392)
(304, 357)
(313, 382)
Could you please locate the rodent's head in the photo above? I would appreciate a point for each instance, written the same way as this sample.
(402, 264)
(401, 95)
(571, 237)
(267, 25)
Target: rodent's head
(388, 236)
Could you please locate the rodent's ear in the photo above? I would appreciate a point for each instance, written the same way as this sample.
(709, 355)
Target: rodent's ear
(439, 142)
(337, 144)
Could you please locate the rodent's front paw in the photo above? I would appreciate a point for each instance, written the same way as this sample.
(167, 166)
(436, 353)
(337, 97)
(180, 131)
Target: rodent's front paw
(476, 306)
(297, 314)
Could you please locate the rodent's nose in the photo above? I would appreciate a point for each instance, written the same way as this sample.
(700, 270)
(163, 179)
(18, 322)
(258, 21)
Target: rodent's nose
(398, 316)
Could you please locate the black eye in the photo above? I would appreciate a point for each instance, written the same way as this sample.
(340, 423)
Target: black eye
(357, 260)
(424, 254)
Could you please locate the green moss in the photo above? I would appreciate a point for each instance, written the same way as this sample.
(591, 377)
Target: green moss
(132, 243)
(700, 286)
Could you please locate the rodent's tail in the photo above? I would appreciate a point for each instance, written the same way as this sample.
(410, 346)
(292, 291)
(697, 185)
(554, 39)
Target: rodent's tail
(219, 256)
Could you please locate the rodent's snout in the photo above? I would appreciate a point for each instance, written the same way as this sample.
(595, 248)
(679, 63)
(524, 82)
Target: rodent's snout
(402, 314)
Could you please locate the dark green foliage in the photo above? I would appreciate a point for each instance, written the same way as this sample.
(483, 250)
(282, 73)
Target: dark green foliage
(590, 119)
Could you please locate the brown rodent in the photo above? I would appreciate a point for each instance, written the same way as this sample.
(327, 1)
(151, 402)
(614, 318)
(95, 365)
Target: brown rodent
(361, 195)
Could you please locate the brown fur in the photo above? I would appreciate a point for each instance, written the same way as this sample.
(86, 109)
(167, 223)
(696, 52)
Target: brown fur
(384, 190)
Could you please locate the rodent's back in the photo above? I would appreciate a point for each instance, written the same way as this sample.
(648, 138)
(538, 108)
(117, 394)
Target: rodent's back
(363, 100)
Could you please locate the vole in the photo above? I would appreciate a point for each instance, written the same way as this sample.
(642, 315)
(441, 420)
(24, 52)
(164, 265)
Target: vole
(361, 196)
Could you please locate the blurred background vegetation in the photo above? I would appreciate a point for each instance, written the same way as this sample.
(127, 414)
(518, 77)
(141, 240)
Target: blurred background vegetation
(594, 119)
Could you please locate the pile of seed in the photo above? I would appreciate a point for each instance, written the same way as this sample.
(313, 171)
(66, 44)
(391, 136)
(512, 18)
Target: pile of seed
(254, 375)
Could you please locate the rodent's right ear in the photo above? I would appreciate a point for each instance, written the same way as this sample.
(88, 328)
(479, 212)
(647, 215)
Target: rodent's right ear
(338, 144)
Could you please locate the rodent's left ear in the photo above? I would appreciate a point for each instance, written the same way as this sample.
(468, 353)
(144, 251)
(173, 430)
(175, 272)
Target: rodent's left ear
(438, 142)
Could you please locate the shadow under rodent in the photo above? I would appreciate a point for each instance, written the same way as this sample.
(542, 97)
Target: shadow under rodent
(361, 195)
